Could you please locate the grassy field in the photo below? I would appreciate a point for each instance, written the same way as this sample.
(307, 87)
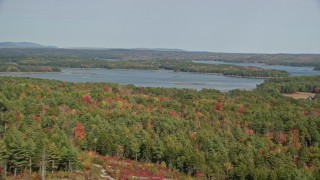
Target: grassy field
(300, 95)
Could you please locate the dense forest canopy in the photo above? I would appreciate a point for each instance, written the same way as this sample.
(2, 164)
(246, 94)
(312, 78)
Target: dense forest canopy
(256, 134)
(291, 85)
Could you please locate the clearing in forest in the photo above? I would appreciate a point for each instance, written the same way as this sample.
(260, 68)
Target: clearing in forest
(300, 95)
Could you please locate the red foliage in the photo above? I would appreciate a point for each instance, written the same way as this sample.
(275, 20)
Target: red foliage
(200, 175)
(87, 98)
(79, 132)
(218, 107)
(281, 138)
(44, 109)
(129, 169)
(174, 114)
(106, 89)
(37, 119)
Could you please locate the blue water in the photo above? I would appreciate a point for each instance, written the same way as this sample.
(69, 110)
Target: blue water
(147, 78)
(294, 71)
(165, 78)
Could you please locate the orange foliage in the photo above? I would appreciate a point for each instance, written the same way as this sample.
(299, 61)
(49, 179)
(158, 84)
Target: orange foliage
(193, 135)
(37, 119)
(174, 114)
(249, 131)
(295, 142)
(200, 175)
(19, 116)
(241, 109)
(79, 132)
(106, 89)
(200, 114)
(22, 95)
(281, 138)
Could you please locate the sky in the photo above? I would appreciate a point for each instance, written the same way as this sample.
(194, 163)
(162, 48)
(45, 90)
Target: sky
(244, 26)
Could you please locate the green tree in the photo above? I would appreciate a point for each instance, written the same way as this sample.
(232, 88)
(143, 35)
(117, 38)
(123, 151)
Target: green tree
(53, 156)
(3, 158)
(18, 151)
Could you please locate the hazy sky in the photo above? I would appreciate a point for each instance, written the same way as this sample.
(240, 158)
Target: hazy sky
(271, 26)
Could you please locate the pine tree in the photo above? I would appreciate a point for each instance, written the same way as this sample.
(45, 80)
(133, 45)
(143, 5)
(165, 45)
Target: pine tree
(53, 156)
(3, 158)
(68, 158)
(18, 156)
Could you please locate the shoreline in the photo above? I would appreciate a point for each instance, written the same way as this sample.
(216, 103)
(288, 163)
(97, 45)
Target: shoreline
(219, 74)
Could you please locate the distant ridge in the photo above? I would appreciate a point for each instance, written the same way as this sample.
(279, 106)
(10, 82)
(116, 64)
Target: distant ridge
(23, 45)
(141, 49)
(159, 49)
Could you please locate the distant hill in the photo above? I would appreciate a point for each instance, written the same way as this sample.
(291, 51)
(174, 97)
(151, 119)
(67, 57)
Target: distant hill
(23, 45)
(141, 49)
(160, 49)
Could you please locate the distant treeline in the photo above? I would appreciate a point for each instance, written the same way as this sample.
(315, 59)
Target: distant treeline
(184, 66)
(293, 84)
(151, 59)
(228, 70)
(131, 54)
(27, 68)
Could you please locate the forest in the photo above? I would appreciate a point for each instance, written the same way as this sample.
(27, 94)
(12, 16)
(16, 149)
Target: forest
(27, 68)
(291, 85)
(154, 55)
(59, 127)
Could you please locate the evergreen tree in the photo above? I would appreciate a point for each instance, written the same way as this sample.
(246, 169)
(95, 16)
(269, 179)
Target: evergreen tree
(3, 158)
(53, 156)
